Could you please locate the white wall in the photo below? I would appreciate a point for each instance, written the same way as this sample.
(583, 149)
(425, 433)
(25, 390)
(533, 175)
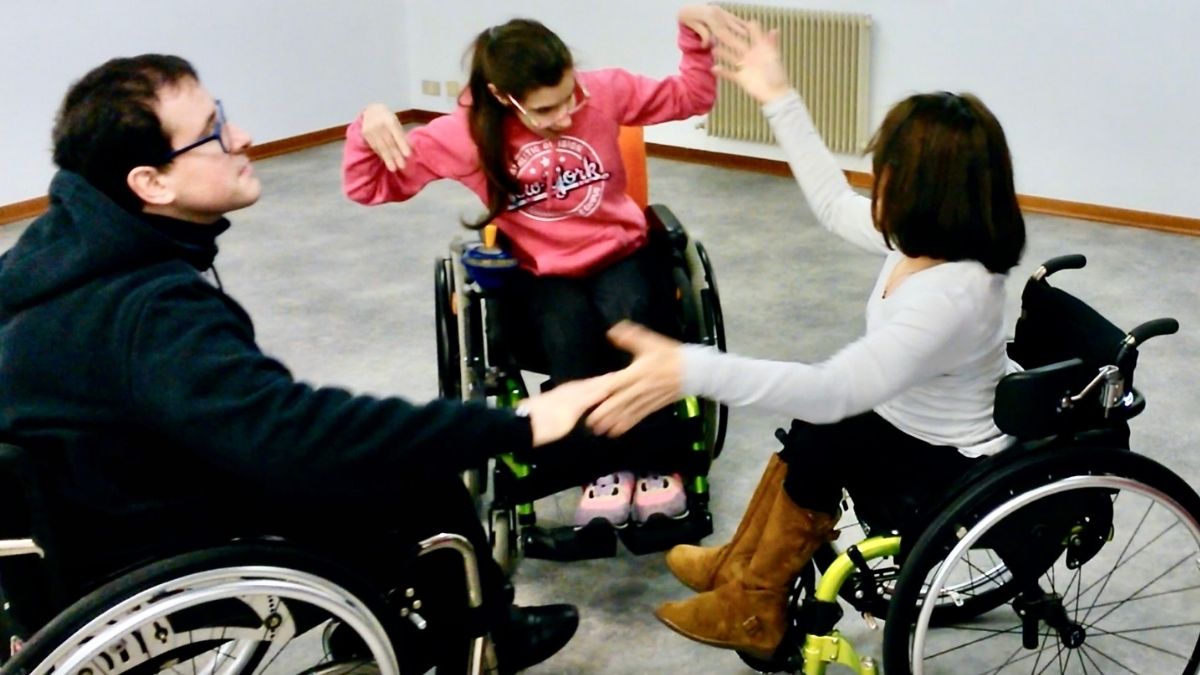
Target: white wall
(1100, 100)
(282, 67)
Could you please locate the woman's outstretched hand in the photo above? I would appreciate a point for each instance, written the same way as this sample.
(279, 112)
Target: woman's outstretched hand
(750, 57)
(385, 135)
(652, 381)
(555, 414)
(707, 20)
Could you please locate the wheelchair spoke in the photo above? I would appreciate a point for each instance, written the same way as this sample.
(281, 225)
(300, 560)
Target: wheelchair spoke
(1084, 654)
(991, 634)
(1148, 596)
(1132, 596)
(1122, 560)
(1050, 662)
(1014, 659)
(1079, 657)
(1077, 582)
(1137, 528)
(1040, 651)
(1093, 648)
(1121, 635)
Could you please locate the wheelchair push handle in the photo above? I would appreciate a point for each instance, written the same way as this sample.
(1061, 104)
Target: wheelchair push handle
(1074, 261)
(1152, 328)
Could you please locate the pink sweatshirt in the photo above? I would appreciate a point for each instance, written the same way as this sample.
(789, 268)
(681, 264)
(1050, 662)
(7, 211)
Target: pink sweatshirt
(573, 215)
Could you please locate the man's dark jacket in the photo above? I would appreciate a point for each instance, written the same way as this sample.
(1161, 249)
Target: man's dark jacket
(140, 383)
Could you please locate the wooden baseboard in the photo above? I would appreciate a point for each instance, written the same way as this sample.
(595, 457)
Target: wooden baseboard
(1110, 214)
(296, 143)
(1033, 204)
(1057, 207)
(30, 208)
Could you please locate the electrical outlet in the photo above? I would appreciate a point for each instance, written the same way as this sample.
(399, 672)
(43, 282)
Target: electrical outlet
(453, 88)
(431, 87)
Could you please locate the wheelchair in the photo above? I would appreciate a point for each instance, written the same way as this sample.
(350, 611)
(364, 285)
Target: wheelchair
(482, 357)
(1066, 552)
(253, 605)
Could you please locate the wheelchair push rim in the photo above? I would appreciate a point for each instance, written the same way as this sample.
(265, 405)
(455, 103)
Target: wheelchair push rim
(228, 620)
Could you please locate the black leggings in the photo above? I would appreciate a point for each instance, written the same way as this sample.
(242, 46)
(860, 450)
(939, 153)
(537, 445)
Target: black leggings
(570, 317)
(889, 473)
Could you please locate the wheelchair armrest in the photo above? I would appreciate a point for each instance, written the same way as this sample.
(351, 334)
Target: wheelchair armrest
(460, 545)
(659, 217)
(1029, 403)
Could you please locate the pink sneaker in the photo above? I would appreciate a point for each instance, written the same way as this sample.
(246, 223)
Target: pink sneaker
(608, 498)
(659, 495)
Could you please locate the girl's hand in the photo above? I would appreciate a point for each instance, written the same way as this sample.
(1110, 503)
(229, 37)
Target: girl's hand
(707, 20)
(653, 380)
(751, 59)
(385, 136)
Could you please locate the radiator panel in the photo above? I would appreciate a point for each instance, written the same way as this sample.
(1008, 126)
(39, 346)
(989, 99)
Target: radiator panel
(828, 56)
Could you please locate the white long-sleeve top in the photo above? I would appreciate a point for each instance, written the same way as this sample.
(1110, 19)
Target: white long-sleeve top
(934, 348)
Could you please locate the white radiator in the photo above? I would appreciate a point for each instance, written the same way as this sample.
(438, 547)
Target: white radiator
(827, 55)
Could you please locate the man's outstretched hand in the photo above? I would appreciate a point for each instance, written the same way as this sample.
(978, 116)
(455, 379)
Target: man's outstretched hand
(555, 413)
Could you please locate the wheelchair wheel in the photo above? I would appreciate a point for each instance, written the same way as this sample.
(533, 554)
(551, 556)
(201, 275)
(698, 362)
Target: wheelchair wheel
(1101, 551)
(238, 609)
(446, 328)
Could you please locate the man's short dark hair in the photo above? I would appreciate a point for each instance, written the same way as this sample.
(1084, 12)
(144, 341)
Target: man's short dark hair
(107, 124)
(944, 182)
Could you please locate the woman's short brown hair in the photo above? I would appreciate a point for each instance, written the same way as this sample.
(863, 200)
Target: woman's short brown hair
(944, 182)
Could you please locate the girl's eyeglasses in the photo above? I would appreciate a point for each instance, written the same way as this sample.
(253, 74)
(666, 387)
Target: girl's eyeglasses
(544, 118)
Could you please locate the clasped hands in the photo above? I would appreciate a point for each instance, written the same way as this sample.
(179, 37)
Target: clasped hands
(616, 401)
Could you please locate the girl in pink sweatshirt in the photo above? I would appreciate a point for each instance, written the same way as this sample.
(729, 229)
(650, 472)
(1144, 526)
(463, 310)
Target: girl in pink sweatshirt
(536, 140)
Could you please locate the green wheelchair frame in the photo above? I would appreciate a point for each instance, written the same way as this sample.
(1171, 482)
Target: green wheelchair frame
(468, 369)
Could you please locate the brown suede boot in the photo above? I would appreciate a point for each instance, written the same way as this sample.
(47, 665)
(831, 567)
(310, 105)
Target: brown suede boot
(703, 568)
(750, 614)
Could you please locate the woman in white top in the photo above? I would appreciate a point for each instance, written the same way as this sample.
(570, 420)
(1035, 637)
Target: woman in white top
(908, 403)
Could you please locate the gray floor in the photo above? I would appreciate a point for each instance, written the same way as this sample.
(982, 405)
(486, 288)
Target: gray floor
(343, 294)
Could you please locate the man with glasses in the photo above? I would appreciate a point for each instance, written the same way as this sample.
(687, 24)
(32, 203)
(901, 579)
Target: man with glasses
(138, 383)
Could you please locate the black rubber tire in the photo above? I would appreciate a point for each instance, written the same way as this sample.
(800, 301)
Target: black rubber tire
(446, 329)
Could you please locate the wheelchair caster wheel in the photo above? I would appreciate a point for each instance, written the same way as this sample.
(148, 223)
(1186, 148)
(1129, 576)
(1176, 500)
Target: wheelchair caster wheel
(502, 536)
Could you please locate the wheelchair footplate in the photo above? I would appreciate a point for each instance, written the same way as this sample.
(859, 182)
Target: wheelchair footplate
(597, 539)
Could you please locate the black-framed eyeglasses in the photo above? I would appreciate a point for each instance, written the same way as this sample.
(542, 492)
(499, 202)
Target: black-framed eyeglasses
(220, 134)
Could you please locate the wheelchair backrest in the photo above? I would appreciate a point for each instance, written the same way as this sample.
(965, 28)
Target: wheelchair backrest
(1078, 365)
(632, 145)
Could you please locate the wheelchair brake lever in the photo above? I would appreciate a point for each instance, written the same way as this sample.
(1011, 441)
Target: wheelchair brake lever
(1112, 388)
